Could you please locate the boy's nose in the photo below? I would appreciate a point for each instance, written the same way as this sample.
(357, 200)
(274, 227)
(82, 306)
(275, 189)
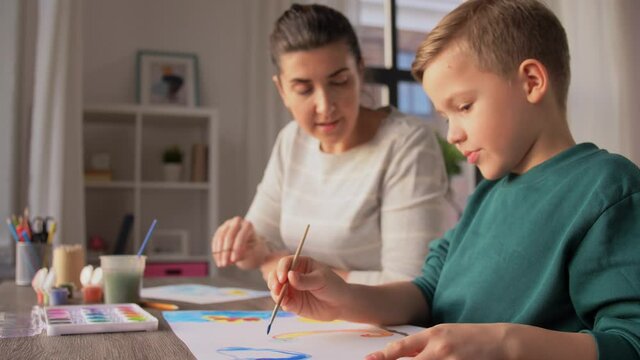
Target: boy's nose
(455, 134)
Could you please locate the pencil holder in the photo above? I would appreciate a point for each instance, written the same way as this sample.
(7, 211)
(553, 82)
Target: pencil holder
(28, 261)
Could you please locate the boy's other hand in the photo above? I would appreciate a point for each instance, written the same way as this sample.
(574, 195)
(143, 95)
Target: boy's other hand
(450, 341)
(314, 290)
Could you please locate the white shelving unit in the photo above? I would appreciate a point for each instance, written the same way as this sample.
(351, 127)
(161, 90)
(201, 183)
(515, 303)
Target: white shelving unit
(135, 136)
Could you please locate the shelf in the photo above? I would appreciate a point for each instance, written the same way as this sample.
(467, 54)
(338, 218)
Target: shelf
(148, 110)
(135, 137)
(109, 184)
(150, 185)
(173, 258)
(94, 258)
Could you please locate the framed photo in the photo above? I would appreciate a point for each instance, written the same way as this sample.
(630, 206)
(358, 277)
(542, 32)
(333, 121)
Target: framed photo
(169, 242)
(166, 78)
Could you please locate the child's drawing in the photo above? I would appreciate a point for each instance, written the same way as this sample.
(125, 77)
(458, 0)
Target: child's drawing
(200, 294)
(245, 353)
(368, 332)
(243, 335)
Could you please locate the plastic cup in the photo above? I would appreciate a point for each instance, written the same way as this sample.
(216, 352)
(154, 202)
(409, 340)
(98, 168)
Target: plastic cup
(92, 294)
(58, 296)
(122, 276)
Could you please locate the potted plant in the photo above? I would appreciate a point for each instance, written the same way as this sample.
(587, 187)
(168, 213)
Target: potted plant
(172, 159)
(452, 158)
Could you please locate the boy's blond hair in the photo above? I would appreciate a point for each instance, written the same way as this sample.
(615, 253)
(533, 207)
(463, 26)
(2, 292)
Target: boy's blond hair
(500, 34)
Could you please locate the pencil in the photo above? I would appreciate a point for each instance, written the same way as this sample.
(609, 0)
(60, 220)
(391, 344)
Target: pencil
(12, 230)
(52, 231)
(159, 306)
(286, 285)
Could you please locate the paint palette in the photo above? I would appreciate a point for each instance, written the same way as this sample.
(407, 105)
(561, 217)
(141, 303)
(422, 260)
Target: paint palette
(88, 319)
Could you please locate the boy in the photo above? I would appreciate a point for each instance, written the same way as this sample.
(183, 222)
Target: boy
(545, 261)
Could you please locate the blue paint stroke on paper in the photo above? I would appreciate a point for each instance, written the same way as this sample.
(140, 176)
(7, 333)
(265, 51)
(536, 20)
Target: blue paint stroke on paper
(205, 290)
(198, 316)
(245, 353)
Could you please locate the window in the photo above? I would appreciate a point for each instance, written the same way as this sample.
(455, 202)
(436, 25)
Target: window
(390, 31)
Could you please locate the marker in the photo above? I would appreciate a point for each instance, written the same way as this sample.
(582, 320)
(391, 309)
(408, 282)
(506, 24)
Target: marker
(52, 231)
(159, 306)
(12, 230)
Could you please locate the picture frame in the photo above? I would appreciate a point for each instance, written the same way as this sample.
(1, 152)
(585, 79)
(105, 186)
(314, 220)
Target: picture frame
(169, 242)
(167, 78)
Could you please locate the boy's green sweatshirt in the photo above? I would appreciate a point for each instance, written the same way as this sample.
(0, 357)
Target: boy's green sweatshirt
(557, 247)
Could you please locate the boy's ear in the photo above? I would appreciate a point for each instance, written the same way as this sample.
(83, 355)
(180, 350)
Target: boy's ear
(535, 80)
(278, 84)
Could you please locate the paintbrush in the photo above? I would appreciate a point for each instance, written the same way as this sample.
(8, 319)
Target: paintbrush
(286, 285)
(247, 246)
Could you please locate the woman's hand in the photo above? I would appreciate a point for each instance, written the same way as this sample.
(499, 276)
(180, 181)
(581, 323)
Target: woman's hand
(314, 290)
(270, 264)
(235, 242)
(451, 341)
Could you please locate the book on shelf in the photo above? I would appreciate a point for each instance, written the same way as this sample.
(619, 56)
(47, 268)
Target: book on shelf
(98, 175)
(123, 236)
(199, 163)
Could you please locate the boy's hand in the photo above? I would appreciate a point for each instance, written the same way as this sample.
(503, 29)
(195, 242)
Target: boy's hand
(314, 290)
(450, 341)
(235, 242)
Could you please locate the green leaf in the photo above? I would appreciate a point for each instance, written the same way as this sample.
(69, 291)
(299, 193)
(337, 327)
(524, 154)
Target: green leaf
(172, 154)
(452, 157)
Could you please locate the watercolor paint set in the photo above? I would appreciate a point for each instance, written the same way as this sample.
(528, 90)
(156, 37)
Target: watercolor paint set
(88, 319)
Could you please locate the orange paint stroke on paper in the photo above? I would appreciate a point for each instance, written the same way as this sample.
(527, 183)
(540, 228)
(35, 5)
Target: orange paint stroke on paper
(367, 333)
(230, 319)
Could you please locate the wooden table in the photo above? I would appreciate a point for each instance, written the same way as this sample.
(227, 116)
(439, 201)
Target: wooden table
(161, 344)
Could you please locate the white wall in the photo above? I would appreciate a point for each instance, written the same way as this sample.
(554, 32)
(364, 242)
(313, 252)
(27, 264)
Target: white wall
(219, 33)
(631, 22)
(214, 30)
(9, 58)
(604, 101)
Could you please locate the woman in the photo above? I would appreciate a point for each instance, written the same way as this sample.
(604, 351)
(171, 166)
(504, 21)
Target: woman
(370, 182)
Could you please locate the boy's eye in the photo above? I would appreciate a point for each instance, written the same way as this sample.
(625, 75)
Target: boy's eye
(465, 107)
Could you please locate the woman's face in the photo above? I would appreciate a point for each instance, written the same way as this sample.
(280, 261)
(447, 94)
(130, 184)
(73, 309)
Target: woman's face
(321, 88)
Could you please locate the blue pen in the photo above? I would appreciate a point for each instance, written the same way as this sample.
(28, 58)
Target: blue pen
(25, 235)
(12, 230)
(146, 238)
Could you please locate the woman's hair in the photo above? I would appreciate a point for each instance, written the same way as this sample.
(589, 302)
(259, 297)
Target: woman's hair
(307, 27)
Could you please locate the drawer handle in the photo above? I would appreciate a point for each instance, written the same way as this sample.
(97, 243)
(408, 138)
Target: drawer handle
(173, 272)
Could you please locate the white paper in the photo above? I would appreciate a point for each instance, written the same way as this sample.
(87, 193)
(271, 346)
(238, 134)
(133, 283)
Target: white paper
(200, 294)
(243, 335)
